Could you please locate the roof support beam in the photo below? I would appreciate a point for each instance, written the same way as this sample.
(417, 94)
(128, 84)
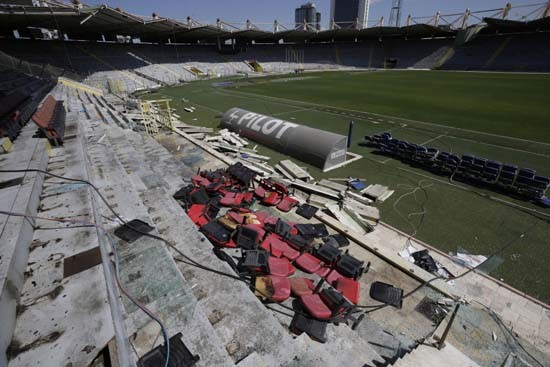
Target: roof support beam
(89, 17)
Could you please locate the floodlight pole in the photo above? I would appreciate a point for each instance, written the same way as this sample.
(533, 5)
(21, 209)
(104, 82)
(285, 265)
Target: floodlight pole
(506, 10)
(465, 19)
(350, 133)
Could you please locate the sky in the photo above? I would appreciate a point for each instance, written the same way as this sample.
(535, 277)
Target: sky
(266, 11)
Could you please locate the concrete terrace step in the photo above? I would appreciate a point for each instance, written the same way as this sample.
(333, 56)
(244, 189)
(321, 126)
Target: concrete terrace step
(242, 327)
(427, 356)
(248, 326)
(357, 352)
(16, 232)
(62, 318)
(147, 261)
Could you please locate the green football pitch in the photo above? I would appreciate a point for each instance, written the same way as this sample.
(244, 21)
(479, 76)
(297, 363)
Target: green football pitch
(505, 117)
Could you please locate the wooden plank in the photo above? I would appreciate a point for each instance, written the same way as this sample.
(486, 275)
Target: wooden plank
(222, 157)
(369, 212)
(344, 218)
(199, 136)
(316, 189)
(320, 201)
(259, 165)
(192, 130)
(235, 149)
(284, 172)
(295, 170)
(377, 192)
(332, 185)
(360, 198)
(387, 255)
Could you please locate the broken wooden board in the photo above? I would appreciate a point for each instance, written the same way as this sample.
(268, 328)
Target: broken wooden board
(199, 136)
(347, 220)
(295, 170)
(368, 212)
(377, 192)
(233, 148)
(188, 129)
(284, 172)
(233, 137)
(363, 222)
(332, 185)
(316, 189)
(262, 166)
(360, 198)
(320, 201)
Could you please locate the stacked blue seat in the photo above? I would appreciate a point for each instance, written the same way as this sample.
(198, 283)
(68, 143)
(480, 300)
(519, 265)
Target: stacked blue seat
(523, 182)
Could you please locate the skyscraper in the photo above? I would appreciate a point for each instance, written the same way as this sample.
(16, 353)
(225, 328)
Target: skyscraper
(307, 17)
(346, 12)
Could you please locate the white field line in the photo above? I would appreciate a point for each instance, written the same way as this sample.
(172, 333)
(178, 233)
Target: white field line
(295, 111)
(393, 117)
(288, 104)
(205, 107)
(433, 139)
(371, 120)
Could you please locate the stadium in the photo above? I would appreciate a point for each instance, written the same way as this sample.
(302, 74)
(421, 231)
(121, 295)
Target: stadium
(373, 192)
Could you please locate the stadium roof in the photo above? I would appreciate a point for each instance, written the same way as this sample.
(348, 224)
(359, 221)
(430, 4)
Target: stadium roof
(90, 22)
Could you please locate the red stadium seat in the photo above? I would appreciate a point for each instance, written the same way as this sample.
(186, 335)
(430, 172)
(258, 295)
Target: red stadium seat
(349, 288)
(315, 306)
(280, 267)
(333, 276)
(281, 288)
(301, 286)
(278, 247)
(308, 263)
(287, 204)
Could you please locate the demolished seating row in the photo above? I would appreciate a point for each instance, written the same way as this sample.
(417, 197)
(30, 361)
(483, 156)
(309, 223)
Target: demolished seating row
(50, 119)
(272, 249)
(523, 182)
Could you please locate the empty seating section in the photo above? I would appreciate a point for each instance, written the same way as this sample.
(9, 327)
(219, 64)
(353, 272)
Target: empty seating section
(50, 118)
(520, 52)
(19, 94)
(511, 179)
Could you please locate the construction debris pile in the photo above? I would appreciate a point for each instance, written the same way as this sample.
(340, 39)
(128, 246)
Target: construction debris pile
(300, 266)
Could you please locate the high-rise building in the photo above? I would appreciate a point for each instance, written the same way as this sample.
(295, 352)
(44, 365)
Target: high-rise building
(349, 13)
(307, 17)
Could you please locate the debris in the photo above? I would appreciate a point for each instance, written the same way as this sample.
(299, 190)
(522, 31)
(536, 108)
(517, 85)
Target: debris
(360, 198)
(356, 184)
(284, 172)
(387, 294)
(344, 218)
(333, 185)
(469, 260)
(368, 212)
(316, 189)
(295, 170)
(378, 192)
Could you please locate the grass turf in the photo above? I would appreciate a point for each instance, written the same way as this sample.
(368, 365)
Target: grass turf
(498, 116)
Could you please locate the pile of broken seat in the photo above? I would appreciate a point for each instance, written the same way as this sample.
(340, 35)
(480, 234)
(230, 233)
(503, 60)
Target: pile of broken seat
(279, 259)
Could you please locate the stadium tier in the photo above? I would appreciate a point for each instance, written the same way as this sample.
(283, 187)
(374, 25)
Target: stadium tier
(131, 237)
(141, 66)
